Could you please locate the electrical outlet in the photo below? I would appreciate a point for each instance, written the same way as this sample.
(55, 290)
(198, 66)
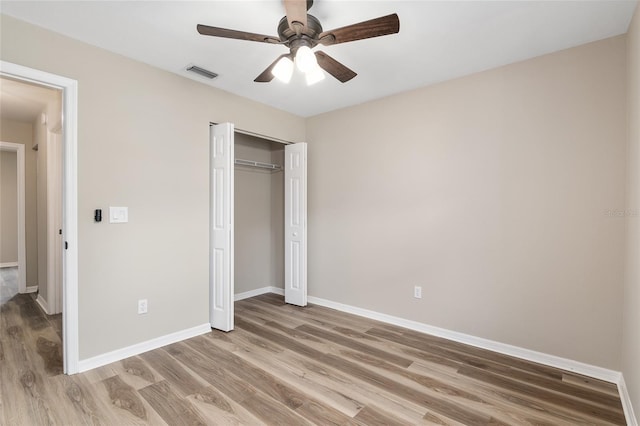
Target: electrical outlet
(142, 306)
(417, 292)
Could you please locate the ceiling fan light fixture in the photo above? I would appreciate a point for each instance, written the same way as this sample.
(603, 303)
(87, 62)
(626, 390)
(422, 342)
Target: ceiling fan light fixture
(314, 76)
(283, 70)
(305, 59)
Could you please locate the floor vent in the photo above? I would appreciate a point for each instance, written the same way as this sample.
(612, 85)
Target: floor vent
(201, 71)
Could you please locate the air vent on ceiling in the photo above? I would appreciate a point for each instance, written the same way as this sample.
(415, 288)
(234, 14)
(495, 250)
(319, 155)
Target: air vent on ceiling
(201, 71)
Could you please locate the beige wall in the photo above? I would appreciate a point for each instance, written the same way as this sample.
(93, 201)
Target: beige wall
(631, 313)
(143, 142)
(490, 192)
(8, 207)
(22, 133)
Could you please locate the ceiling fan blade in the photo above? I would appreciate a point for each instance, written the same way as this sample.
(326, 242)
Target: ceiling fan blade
(335, 68)
(296, 14)
(377, 27)
(238, 35)
(266, 75)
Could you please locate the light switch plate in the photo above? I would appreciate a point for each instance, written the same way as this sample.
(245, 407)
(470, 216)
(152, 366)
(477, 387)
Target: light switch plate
(118, 214)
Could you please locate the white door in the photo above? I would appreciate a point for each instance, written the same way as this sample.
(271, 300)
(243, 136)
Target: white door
(295, 224)
(54, 222)
(221, 227)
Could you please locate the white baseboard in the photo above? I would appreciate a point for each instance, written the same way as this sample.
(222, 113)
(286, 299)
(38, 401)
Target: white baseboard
(258, 292)
(43, 304)
(31, 289)
(629, 415)
(8, 264)
(138, 348)
(503, 348)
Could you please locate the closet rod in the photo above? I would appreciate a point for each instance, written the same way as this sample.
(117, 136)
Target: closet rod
(258, 164)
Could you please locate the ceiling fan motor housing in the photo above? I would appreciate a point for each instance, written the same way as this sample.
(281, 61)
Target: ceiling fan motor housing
(307, 36)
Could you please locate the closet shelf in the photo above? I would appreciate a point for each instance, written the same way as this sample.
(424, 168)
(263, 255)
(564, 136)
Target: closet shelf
(258, 164)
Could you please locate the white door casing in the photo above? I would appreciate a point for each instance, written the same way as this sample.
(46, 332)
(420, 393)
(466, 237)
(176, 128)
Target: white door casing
(54, 222)
(69, 87)
(221, 285)
(295, 224)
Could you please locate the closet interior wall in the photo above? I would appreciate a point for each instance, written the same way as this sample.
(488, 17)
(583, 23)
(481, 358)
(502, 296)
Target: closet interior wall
(258, 216)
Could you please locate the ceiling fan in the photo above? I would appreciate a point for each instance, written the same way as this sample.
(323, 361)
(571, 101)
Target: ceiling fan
(301, 32)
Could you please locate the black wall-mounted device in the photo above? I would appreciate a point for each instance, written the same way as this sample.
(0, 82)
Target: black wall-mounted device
(98, 215)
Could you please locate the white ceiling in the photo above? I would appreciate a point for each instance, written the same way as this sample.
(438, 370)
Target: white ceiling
(438, 40)
(20, 101)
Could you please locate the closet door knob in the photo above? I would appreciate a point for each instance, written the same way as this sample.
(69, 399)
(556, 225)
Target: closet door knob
(295, 234)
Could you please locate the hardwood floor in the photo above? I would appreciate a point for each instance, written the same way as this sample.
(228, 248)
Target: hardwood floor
(292, 366)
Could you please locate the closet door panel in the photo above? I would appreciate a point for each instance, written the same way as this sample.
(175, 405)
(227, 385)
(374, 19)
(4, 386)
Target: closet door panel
(221, 228)
(295, 224)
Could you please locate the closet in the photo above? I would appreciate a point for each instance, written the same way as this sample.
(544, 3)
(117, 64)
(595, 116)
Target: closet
(258, 214)
(258, 220)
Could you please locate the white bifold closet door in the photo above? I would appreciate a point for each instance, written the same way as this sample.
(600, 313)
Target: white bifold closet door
(221, 227)
(221, 284)
(295, 224)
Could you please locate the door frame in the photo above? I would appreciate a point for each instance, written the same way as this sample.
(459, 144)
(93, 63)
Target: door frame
(54, 222)
(212, 195)
(18, 148)
(69, 87)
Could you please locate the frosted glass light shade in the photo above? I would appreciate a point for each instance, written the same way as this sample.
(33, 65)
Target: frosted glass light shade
(283, 70)
(305, 59)
(314, 76)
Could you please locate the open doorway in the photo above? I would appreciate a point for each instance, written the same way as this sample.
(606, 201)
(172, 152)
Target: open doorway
(52, 276)
(31, 217)
(12, 218)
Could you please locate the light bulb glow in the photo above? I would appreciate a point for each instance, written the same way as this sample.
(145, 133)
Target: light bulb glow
(314, 76)
(283, 70)
(305, 59)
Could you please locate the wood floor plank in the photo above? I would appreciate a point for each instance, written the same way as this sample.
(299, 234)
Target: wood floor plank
(303, 403)
(51, 354)
(171, 407)
(262, 380)
(370, 416)
(212, 403)
(519, 409)
(270, 413)
(441, 406)
(424, 381)
(288, 365)
(24, 374)
(598, 412)
(125, 397)
(220, 410)
(309, 315)
(78, 391)
(291, 372)
(532, 367)
(355, 345)
(114, 409)
(521, 375)
(136, 367)
(173, 372)
(351, 386)
(591, 383)
(216, 376)
(455, 351)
